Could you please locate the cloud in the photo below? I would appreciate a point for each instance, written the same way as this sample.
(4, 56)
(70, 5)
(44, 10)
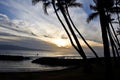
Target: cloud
(7, 26)
(4, 17)
(26, 42)
(42, 24)
(31, 28)
(31, 21)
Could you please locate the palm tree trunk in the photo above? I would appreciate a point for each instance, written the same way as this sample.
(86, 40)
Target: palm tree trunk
(106, 45)
(70, 28)
(112, 42)
(114, 49)
(104, 24)
(81, 34)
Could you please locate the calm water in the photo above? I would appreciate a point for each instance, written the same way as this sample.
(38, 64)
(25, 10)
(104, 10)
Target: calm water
(26, 65)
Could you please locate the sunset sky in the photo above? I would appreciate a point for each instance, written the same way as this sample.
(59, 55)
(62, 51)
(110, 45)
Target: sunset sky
(21, 18)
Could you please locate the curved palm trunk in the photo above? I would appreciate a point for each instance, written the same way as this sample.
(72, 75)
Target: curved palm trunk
(104, 24)
(81, 34)
(64, 26)
(115, 35)
(114, 40)
(116, 50)
(115, 46)
(70, 28)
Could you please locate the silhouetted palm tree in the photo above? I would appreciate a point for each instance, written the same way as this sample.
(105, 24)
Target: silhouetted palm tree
(53, 3)
(111, 10)
(48, 3)
(60, 5)
(101, 7)
(74, 4)
(114, 38)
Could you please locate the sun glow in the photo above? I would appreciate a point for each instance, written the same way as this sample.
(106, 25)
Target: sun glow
(61, 42)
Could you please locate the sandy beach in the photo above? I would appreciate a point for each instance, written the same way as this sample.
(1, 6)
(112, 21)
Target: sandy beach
(70, 74)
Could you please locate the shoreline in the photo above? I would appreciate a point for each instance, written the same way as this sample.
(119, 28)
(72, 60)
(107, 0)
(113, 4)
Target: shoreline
(13, 58)
(66, 74)
(75, 73)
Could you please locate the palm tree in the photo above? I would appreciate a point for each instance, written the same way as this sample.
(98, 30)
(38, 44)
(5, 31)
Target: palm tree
(63, 7)
(53, 3)
(74, 4)
(114, 40)
(66, 4)
(45, 5)
(48, 3)
(111, 10)
(60, 6)
(101, 7)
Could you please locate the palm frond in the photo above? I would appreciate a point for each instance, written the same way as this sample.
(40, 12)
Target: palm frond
(93, 7)
(95, 1)
(75, 4)
(45, 6)
(92, 16)
(114, 9)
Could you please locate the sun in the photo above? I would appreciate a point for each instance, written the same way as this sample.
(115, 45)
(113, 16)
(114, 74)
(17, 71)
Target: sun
(61, 42)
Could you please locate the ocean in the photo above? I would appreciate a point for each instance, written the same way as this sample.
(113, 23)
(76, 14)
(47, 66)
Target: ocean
(27, 65)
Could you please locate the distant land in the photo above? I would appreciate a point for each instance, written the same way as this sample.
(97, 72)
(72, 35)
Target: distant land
(13, 47)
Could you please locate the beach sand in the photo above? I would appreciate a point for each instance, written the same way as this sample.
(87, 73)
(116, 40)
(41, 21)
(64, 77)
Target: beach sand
(68, 74)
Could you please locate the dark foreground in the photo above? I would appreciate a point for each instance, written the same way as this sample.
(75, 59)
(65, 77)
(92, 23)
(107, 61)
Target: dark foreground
(97, 72)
